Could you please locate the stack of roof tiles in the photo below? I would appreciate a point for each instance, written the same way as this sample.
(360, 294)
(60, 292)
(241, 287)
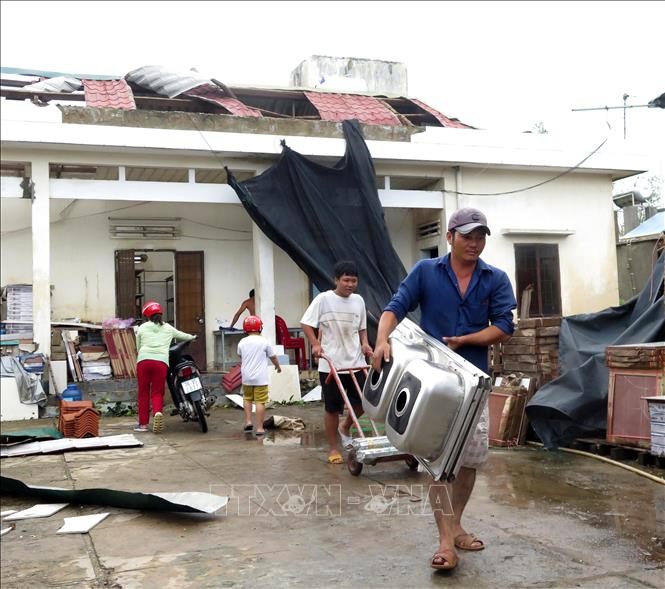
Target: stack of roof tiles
(78, 419)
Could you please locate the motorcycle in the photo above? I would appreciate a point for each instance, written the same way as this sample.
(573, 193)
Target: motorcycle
(191, 399)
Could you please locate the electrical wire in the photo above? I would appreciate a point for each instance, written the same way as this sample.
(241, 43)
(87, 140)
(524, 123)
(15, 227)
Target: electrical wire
(572, 168)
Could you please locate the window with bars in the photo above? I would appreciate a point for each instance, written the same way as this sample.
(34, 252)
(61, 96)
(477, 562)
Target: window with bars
(537, 266)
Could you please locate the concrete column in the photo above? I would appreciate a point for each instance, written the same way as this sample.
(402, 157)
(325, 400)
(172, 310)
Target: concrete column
(264, 281)
(41, 256)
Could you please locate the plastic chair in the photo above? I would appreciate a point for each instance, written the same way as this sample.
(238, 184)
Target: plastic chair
(297, 344)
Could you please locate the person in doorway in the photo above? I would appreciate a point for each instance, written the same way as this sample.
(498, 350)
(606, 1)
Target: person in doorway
(255, 351)
(467, 304)
(341, 319)
(153, 339)
(249, 304)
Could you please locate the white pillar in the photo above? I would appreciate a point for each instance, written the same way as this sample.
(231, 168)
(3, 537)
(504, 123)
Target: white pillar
(41, 256)
(264, 281)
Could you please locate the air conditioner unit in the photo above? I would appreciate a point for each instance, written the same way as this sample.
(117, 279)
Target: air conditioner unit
(147, 228)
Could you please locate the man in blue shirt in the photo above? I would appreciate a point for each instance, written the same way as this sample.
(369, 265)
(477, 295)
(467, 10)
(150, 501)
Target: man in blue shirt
(467, 304)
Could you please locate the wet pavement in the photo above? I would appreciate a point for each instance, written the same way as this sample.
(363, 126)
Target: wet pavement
(550, 520)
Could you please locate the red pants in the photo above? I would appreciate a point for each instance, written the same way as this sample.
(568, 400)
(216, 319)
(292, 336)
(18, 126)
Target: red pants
(151, 378)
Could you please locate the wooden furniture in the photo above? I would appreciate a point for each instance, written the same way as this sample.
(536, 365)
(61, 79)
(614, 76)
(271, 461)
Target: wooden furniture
(636, 371)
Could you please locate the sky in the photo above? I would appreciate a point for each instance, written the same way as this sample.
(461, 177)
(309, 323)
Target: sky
(502, 66)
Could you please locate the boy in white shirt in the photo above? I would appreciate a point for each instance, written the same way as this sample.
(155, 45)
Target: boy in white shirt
(254, 350)
(341, 318)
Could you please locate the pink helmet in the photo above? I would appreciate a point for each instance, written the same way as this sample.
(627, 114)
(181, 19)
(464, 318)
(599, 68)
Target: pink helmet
(252, 324)
(152, 308)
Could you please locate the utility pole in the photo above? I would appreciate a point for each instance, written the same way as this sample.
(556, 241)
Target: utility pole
(625, 97)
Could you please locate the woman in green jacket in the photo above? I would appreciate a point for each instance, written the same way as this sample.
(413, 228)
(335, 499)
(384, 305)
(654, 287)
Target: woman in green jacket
(153, 339)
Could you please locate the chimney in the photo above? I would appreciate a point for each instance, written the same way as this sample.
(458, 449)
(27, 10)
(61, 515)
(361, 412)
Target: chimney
(349, 74)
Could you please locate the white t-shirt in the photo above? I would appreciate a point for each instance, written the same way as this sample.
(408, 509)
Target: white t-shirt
(339, 319)
(254, 351)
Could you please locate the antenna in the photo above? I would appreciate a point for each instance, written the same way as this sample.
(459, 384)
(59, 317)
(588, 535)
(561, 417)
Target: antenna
(655, 103)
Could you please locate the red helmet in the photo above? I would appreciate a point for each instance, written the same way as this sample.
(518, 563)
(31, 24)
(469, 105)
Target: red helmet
(252, 324)
(152, 308)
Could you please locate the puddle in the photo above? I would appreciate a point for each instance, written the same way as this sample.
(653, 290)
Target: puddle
(606, 498)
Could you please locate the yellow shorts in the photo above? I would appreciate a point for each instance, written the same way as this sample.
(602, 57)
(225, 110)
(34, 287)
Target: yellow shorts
(257, 394)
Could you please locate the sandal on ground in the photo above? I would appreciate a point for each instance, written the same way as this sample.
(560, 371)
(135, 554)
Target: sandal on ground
(468, 542)
(335, 458)
(347, 441)
(257, 434)
(444, 560)
(248, 428)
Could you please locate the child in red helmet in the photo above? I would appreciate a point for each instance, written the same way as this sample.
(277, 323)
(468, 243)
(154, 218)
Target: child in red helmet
(152, 343)
(254, 351)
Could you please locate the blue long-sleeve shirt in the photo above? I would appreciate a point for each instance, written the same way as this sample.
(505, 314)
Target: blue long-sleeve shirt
(489, 300)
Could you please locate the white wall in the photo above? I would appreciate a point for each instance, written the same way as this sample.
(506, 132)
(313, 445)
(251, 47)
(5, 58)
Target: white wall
(83, 267)
(578, 202)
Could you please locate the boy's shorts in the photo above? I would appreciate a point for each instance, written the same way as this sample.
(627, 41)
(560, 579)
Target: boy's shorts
(332, 398)
(257, 394)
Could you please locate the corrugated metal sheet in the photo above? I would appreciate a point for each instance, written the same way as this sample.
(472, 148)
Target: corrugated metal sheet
(109, 94)
(340, 107)
(652, 226)
(58, 84)
(164, 81)
(443, 119)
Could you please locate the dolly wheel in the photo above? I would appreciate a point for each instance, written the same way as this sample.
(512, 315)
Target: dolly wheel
(355, 467)
(411, 462)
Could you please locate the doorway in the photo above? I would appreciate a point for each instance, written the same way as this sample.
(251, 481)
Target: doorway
(173, 279)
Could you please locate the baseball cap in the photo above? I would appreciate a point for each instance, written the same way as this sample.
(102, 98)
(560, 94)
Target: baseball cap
(466, 220)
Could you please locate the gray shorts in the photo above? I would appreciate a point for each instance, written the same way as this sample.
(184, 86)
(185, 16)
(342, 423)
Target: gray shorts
(477, 448)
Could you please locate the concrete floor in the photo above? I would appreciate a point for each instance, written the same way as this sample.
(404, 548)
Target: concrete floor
(550, 520)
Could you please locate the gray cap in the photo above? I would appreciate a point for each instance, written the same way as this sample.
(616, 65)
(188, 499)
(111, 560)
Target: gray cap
(466, 220)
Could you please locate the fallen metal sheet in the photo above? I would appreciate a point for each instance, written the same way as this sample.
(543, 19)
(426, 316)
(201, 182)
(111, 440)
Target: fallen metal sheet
(29, 435)
(64, 444)
(313, 395)
(237, 400)
(185, 502)
(81, 524)
(39, 510)
(7, 512)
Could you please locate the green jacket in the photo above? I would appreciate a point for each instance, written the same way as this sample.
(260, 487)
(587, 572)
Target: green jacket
(153, 341)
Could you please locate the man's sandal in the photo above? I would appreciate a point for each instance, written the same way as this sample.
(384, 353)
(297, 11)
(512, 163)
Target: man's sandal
(444, 560)
(335, 458)
(468, 542)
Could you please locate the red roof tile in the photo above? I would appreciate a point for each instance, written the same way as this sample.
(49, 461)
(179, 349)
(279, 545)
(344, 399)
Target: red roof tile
(443, 119)
(339, 107)
(109, 94)
(216, 95)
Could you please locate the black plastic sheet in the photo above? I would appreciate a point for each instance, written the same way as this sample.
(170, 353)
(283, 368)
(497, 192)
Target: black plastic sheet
(575, 404)
(320, 215)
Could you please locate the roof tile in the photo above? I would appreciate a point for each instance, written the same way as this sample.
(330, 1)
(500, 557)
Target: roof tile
(443, 119)
(216, 95)
(340, 107)
(109, 94)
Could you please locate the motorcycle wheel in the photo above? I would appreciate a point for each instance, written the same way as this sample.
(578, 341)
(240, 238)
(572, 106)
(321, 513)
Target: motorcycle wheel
(200, 413)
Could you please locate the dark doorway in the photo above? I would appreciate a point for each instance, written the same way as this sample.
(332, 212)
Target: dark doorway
(537, 266)
(175, 280)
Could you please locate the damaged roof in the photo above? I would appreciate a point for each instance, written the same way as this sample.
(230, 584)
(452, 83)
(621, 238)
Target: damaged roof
(157, 88)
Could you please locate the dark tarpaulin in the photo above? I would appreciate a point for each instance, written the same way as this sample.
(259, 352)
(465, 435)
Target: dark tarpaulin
(320, 215)
(575, 404)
